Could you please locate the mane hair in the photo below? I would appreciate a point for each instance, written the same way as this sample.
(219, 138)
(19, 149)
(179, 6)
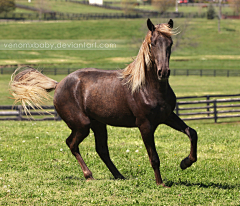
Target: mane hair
(135, 73)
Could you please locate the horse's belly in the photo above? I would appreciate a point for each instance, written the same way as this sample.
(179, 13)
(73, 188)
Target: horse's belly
(113, 116)
(110, 109)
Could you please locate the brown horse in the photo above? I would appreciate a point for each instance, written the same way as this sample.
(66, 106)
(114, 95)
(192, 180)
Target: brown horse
(138, 96)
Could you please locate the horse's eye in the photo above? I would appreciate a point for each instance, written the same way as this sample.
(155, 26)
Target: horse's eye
(152, 44)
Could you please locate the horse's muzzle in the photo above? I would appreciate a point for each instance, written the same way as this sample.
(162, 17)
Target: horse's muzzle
(163, 74)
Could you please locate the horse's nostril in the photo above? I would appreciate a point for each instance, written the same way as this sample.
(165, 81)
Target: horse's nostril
(160, 73)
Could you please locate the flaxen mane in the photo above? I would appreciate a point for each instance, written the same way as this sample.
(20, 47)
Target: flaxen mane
(134, 73)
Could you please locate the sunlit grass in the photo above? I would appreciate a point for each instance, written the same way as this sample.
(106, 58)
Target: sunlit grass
(200, 47)
(38, 168)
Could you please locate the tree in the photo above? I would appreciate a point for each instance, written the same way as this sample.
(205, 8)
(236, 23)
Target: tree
(7, 5)
(235, 4)
(211, 12)
(163, 5)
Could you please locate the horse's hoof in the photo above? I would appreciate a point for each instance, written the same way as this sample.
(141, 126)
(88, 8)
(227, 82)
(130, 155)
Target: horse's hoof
(120, 177)
(89, 179)
(163, 185)
(185, 163)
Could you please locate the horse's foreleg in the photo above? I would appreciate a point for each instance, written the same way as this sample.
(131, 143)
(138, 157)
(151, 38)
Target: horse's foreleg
(76, 137)
(176, 123)
(147, 133)
(100, 133)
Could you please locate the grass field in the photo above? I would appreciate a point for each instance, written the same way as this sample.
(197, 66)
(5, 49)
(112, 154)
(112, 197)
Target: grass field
(68, 7)
(37, 168)
(200, 45)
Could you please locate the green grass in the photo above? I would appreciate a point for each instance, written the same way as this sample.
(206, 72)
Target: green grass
(37, 168)
(201, 46)
(190, 9)
(68, 7)
(18, 10)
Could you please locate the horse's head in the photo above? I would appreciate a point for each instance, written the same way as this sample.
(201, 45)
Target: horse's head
(160, 45)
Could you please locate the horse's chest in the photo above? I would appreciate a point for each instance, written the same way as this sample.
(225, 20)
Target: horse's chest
(163, 109)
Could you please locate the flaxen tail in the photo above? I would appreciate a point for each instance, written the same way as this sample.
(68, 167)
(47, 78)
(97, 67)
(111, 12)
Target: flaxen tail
(31, 87)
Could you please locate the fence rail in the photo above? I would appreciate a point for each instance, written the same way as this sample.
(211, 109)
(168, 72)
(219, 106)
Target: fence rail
(187, 108)
(174, 72)
(16, 113)
(205, 107)
(90, 16)
(205, 72)
(135, 12)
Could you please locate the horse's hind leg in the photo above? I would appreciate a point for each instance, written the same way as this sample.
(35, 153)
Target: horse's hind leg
(100, 133)
(76, 137)
(176, 123)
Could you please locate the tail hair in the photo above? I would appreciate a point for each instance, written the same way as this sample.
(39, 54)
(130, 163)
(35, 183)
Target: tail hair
(31, 87)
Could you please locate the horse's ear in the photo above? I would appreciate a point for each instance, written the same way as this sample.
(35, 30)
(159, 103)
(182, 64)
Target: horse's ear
(150, 25)
(170, 23)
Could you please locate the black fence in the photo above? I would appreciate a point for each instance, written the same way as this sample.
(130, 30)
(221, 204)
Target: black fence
(213, 107)
(92, 16)
(132, 13)
(205, 72)
(208, 107)
(16, 113)
(174, 72)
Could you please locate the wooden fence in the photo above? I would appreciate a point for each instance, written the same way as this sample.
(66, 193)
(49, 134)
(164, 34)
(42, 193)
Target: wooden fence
(92, 16)
(188, 108)
(135, 13)
(205, 72)
(208, 107)
(16, 113)
(174, 72)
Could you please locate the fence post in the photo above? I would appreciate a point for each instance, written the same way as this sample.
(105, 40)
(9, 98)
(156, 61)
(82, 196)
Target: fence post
(55, 71)
(215, 110)
(208, 98)
(19, 108)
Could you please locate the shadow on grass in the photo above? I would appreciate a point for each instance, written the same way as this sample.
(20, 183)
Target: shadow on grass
(169, 183)
(73, 178)
(229, 29)
(203, 185)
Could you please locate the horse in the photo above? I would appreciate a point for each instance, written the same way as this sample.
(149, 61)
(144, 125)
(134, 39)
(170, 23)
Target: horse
(137, 96)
